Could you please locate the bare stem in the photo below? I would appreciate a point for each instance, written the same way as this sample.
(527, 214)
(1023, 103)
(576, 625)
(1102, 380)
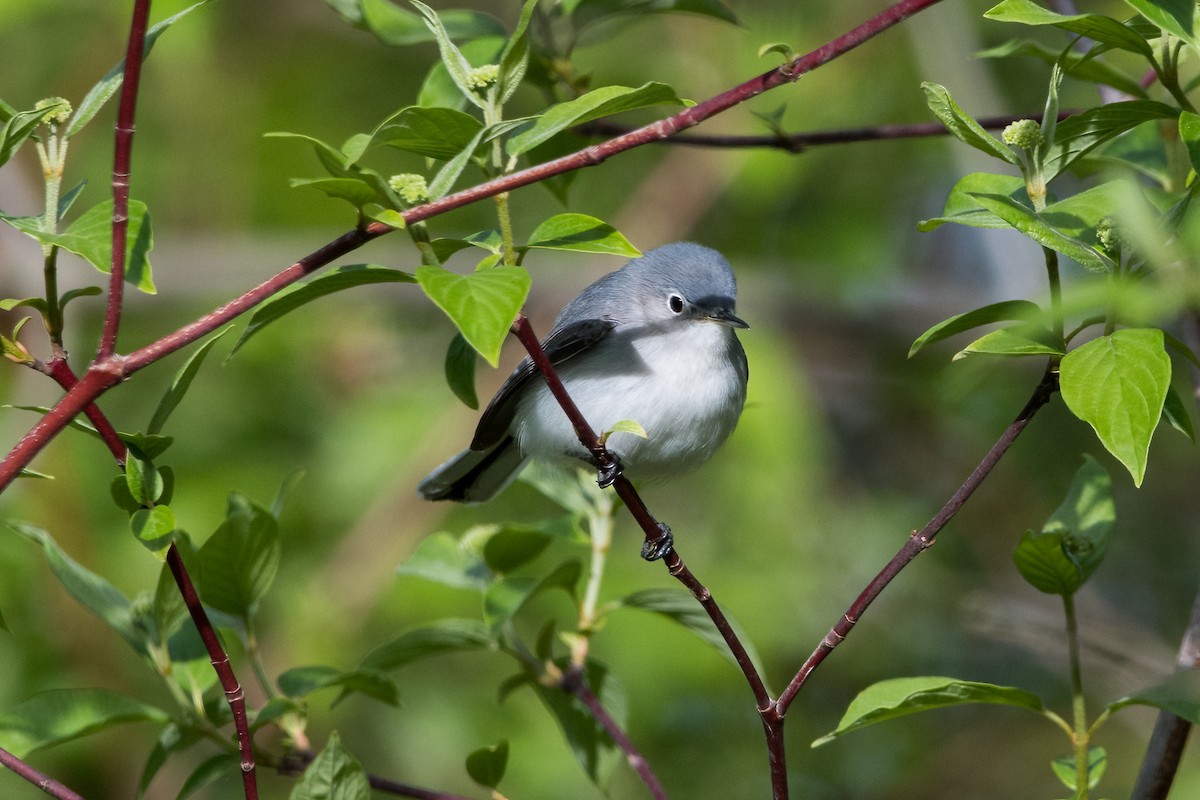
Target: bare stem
(38, 779)
(122, 160)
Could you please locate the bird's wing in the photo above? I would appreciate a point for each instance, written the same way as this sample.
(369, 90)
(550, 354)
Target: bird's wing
(562, 344)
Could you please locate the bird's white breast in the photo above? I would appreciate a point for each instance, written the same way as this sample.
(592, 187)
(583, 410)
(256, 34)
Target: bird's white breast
(684, 386)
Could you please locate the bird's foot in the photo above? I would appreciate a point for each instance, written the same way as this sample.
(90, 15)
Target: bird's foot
(654, 549)
(608, 470)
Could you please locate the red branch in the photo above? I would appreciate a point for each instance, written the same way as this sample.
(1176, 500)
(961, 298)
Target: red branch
(122, 161)
(38, 779)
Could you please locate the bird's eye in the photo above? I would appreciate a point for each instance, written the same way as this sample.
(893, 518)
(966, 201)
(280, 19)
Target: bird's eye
(675, 303)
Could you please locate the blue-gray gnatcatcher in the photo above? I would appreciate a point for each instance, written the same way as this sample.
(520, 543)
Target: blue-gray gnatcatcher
(654, 343)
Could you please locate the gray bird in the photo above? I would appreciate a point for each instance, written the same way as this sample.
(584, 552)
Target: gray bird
(654, 343)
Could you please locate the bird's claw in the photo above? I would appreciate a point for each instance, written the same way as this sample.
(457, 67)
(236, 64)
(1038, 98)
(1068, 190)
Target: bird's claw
(608, 470)
(654, 549)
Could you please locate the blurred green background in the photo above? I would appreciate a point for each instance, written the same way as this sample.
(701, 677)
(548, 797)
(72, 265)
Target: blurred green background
(845, 447)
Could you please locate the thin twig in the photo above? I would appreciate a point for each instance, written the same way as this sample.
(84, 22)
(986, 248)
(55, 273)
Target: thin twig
(573, 683)
(799, 142)
(919, 541)
(122, 160)
(38, 779)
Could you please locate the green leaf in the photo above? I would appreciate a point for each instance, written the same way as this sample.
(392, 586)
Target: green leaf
(442, 559)
(154, 528)
(1033, 225)
(1105, 30)
(682, 608)
(439, 90)
(590, 743)
(515, 58)
(443, 636)
(209, 771)
(335, 162)
(147, 446)
(399, 27)
(444, 180)
(59, 715)
(1064, 768)
(171, 740)
(597, 103)
(72, 294)
(1175, 16)
(1176, 413)
(181, 383)
(512, 546)
(483, 305)
(1073, 542)
(1078, 134)
(1178, 694)
(239, 561)
(90, 237)
(963, 126)
(1081, 66)
(300, 682)
(333, 775)
(145, 484)
(460, 370)
(582, 234)
(996, 312)
(19, 127)
(487, 764)
(506, 597)
(336, 280)
(455, 62)
(440, 133)
(1024, 339)
(355, 191)
(1189, 134)
(284, 493)
(68, 199)
(1118, 384)
(100, 94)
(899, 697)
(962, 207)
(93, 592)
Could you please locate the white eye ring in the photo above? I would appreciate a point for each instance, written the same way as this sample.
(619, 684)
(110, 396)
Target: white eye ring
(675, 303)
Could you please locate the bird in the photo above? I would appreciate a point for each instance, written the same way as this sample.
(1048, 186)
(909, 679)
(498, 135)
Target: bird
(653, 342)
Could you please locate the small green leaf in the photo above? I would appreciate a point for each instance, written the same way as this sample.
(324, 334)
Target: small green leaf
(72, 294)
(962, 207)
(580, 233)
(439, 89)
(100, 94)
(147, 446)
(683, 609)
(512, 546)
(899, 697)
(442, 559)
(1024, 339)
(1176, 413)
(154, 528)
(1078, 134)
(333, 775)
(239, 561)
(444, 636)
(625, 426)
(996, 312)
(1175, 16)
(388, 216)
(399, 27)
(963, 126)
(487, 764)
(1178, 694)
(1118, 384)
(92, 591)
(460, 370)
(515, 59)
(336, 280)
(10, 303)
(1035, 226)
(171, 740)
(590, 743)
(20, 126)
(1064, 768)
(1094, 26)
(782, 48)
(145, 484)
(355, 191)
(455, 62)
(59, 715)
(483, 305)
(1076, 64)
(506, 597)
(335, 162)
(597, 103)
(439, 133)
(1189, 134)
(300, 682)
(181, 383)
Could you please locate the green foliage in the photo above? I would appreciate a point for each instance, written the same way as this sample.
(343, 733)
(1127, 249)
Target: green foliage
(1064, 768)
(1118, 384)
(483, 305)
(59, 715)
(1073, 542)
(333, 775)
(487, 764)
(238, 563)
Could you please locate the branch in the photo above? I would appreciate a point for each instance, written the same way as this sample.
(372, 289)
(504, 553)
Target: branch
(574, 684)
(799, 142)
(121, 170)
(38, 779)
(919, 541)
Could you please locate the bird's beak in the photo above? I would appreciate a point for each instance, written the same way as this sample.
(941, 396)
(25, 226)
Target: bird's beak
(726, 317)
